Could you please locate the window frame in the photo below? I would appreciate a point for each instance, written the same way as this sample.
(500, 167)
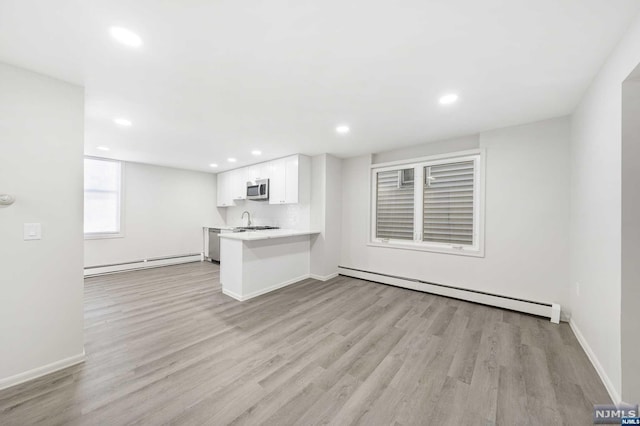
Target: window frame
(419, 164)
(107, 235)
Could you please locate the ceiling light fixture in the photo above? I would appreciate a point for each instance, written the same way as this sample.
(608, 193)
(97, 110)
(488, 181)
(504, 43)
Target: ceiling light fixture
(342, 129)
(103, 148)
(122, 122)
(256, 152)
(231, 160)
(448, 99)
(125, 36)
(214, 165)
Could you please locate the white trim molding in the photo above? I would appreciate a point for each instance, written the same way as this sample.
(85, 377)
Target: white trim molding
(157, 262)
(324, 277)
(608, 384)
(548, 310)
(41, 371)
(264, 290)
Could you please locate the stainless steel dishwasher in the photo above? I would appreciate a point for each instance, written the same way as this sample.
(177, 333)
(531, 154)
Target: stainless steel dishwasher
(214, 244)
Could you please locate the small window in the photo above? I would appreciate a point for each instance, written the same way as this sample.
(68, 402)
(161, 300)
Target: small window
(406, 177)
(434, 204)
(102, 198)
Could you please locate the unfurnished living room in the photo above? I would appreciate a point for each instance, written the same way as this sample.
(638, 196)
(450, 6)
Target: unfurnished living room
(319, 212)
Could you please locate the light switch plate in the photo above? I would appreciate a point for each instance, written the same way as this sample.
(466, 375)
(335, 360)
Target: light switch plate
(32, 231)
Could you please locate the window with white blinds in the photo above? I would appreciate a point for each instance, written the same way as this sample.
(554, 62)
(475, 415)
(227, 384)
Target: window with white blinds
(448, 203)
(434, 204)
(395, 204)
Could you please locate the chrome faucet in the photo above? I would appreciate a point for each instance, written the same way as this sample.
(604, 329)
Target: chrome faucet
(248, 217)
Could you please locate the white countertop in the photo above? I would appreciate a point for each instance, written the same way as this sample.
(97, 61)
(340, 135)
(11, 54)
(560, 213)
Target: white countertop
(266, 234)
(219, 227)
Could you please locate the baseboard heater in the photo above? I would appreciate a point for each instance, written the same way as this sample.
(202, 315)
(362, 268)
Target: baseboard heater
(133, 265)
(548, 310)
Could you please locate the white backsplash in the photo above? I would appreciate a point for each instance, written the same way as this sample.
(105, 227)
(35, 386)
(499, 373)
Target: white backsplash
(289, 216)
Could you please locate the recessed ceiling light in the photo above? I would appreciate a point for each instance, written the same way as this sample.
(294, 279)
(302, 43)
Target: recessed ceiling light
(231, 160)
(343, 130)
(214, 165)
(125, 36)
(448, 99)
(256, 152)
(122, 122)
(103, 148)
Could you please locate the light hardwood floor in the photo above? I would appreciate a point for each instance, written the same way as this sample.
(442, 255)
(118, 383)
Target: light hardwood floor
(165, 346)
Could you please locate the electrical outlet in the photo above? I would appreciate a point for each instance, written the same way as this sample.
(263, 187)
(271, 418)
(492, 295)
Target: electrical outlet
(578, 288)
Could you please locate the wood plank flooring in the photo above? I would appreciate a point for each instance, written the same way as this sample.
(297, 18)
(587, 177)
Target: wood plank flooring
(165, 346)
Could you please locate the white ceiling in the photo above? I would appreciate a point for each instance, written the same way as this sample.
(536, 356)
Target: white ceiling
(220, 78)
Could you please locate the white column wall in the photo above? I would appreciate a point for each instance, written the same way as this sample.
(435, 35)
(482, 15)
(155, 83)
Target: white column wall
(41, 282)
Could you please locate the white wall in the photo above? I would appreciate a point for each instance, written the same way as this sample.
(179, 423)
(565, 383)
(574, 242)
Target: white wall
(433, 148)
(596, 210)
(527, 212)
(333, 214)
(631, 239)
(318, 203)
(41, 285)
(326, 214)
(163, 215)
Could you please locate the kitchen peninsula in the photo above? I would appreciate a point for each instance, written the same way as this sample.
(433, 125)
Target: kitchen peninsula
(255, 263)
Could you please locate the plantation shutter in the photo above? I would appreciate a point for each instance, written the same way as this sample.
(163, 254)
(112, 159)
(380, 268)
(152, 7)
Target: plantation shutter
(448, 203)
(395, 204)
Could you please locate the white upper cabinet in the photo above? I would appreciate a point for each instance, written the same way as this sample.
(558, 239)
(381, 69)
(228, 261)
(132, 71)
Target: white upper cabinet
(292, 168)
(283, 184)
(239, 185)
(284, 177)
(277, 182)
(259, 171)
(225, 197)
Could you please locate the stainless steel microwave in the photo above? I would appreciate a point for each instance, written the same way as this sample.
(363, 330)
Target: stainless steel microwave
(258, 190)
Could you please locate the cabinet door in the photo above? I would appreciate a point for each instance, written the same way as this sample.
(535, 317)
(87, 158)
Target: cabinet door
(277, 182)
(253, 173)
(291, 180)
(239, 185)
(265, 170)
(224, 193)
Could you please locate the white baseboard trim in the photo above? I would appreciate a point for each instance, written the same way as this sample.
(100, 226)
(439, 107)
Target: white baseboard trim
(613, 393)
(549, 310)
(232, 294)
(242, 298)
(141, 264)
(323, 277)
(41, 371)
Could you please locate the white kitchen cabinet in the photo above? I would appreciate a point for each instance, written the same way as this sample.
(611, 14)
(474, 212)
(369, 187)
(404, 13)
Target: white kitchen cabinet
(258, 171)
(232, 186)
(225, 197)
(239, 183)
(283, 183)
(253, 173)
(292, 167)
(286, 177)
(277, 182)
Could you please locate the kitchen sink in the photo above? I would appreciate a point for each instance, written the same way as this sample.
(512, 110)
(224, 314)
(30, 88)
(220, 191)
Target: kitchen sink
(253, 228)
